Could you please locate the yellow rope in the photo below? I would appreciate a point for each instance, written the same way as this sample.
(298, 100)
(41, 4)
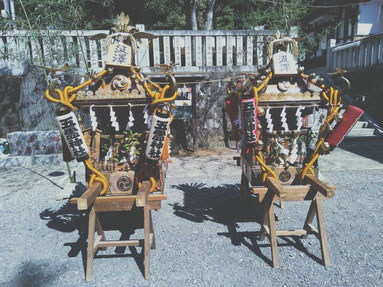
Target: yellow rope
(65, 100)
(330, 95)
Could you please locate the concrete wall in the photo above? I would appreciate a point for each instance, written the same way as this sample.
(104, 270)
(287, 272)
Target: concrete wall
(23, 106)
(9, 104)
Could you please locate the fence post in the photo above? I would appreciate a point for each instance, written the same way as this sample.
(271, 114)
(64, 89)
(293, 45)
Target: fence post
(331, 43)
(142, 49)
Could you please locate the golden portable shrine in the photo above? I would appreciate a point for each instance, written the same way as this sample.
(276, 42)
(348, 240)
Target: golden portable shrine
(125, 150)
(283, 120)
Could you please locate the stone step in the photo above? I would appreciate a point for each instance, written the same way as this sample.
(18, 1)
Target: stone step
(361, 124)
(361, 132)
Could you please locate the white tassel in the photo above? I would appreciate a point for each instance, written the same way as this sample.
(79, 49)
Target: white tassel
(298, 114)
(284, 120)
(294, 152)
(131, 118)
(113, 119)
(93, 118)
(269, 121)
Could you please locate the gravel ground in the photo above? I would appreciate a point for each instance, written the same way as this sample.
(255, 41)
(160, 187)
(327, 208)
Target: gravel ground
(206, 234)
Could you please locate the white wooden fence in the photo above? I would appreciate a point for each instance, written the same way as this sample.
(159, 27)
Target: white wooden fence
(360, 54)
(195, 52)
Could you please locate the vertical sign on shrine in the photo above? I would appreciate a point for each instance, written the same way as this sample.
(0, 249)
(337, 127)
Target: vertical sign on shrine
(73, 136)
(249, 120)
(157, 137)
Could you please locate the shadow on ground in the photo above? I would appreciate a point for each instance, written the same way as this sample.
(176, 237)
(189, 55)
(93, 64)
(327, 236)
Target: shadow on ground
(366, 147)
(35, 274)
(224, 205)
(68, 219)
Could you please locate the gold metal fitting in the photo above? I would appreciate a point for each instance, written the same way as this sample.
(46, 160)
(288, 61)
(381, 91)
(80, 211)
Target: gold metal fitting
(259, 144)
(312, 76)
(320, 81)
(329, 129)
(338, 118)
(259, 126)
(325, 146)
(137, 68)
(110, 70)
(260, 111)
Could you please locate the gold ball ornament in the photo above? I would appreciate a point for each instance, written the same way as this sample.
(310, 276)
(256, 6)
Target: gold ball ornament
(259, 144)
(133, 77)
(325, 146)
(312, 75)
(137, 68)
(110, 70)
(260, 111)
(338, 118)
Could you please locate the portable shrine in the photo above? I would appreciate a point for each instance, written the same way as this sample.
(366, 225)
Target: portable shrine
(125, 149)
(284, 120)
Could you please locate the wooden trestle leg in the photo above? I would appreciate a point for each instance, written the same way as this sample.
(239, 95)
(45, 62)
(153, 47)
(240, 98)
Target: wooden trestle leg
(90, 250)
(147, 241)
(144, 200)
(322, 232)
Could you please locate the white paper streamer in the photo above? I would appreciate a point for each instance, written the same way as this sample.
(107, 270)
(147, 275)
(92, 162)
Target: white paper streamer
(284, 120)
(294, 152)
(113, 119)
(284, 150)
(269, 121)
(147, 116)
(108, 154)
(132, 153)
(131, 118)
(93, 118)
(298, 114)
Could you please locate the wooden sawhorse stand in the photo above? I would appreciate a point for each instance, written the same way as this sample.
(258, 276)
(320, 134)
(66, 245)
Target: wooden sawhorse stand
(118, 203)
(314, 190)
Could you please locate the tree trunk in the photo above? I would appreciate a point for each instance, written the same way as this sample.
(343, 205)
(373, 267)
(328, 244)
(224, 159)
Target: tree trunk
(191, 18)
(210, 15)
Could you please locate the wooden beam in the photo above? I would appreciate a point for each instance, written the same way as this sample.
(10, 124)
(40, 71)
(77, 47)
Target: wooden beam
(126, 198)
(142, 194)
(89, 196)
(298, 232)
(319, 185)
(274, 185)
(111, 243)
